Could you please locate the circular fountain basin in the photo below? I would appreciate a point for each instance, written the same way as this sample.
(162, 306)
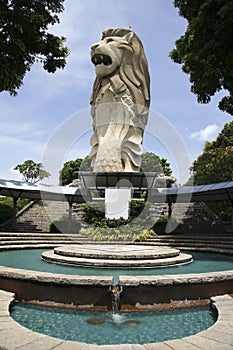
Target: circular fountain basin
(112, 255)
(99, 327)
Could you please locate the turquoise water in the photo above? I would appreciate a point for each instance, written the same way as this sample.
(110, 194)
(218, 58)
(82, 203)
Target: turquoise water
(100, 328)
(30, 259)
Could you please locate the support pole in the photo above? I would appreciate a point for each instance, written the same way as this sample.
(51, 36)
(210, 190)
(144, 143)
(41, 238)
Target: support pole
(231, 201)
(70, 216)
(14, 212)
(232, 218)
(169, 209)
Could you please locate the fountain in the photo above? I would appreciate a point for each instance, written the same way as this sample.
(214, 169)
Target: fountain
(115, 295)
(120, 105)
(116, 255)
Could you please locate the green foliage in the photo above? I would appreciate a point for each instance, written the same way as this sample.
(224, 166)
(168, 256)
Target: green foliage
(153, 163)
(205, 50)
(128, 231)
(162, 220)
(21, 203)
(6, 205)
(150, 162)
(94, 212)
(146, 234)
(136, 207)
(214, 165)
(24, 39)
(160, 225)
(69, 171)
(31, 171)
(102, 228)
(63, 225)
(222, 209)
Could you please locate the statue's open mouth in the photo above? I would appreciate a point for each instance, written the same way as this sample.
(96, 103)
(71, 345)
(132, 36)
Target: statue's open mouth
(99, 59)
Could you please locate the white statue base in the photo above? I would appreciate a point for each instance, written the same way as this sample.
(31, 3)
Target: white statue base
(117, 203)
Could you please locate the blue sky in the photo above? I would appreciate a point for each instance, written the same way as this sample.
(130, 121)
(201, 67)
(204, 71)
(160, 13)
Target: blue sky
(46, 103)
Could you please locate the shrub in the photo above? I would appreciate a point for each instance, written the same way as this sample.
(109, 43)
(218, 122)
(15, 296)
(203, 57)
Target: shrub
(162, 220)
(62, 226)
(94, 214)
(145, 235)
(222, 209)
(127, 231)
(102, 228)
(136, 207)
(6, 205)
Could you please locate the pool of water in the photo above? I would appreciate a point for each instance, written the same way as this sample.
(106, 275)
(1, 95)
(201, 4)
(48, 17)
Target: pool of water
(101, 328)
(30, 259)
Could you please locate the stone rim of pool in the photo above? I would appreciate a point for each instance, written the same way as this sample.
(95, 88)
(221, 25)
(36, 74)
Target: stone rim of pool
(137, 290)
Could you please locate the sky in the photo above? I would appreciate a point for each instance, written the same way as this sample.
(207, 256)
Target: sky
(49, 120)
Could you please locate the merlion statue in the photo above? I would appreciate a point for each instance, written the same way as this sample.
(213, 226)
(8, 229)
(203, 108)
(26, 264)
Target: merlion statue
(120, 101)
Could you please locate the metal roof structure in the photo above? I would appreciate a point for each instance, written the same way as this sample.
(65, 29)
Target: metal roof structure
(135, 180)
(202, 193)
(142, 182)
(34, 191)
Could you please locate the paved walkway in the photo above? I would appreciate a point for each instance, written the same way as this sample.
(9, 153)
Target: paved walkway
(217, 337)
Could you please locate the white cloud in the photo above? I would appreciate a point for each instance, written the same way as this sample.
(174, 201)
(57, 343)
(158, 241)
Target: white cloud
(15, 128)
(209, 133)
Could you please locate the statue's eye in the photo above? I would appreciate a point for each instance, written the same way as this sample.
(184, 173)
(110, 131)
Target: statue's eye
(109, 40)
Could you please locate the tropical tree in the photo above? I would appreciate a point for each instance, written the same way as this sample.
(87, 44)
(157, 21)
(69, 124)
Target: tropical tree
(24, 39)
(151, 162)
(69, 171)
(31, 171)
(205, 50)
(214, 165)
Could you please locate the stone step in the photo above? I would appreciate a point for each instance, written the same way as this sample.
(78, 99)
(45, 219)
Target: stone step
(121, 252)
(193, 239)
(52, 242)
(196, 245)
(108, 256)
(64, 238)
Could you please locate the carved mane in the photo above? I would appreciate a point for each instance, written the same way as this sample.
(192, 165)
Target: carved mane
(134, 76)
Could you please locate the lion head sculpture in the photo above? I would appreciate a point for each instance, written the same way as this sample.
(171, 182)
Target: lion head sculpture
(121, 51)
(121, 76)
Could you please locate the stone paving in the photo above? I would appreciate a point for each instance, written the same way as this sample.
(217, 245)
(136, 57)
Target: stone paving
(218, 337)
(116, 255)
